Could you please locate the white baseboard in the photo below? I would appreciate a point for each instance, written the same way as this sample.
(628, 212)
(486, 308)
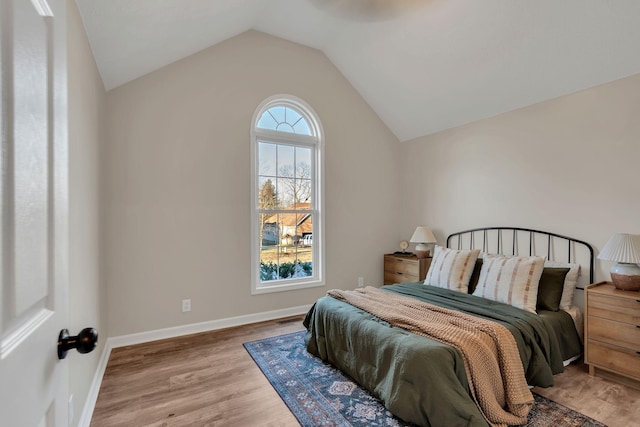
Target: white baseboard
(176, 331)
(212, 325)
(92, 397)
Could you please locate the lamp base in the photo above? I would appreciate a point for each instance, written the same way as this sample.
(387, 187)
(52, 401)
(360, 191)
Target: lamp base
(422, 251)
(626, 277)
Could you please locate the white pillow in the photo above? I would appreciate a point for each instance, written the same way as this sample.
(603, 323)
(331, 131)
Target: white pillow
(451, 268)
(570, 282)
(512, 280)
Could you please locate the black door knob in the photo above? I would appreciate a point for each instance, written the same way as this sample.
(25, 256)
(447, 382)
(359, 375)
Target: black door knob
(84, 342)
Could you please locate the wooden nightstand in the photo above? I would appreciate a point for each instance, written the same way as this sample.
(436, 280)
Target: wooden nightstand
(612, 330)
(398, 268)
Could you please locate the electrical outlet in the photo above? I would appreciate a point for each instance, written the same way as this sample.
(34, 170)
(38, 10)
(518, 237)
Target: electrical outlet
(186, 305)
(360, 282)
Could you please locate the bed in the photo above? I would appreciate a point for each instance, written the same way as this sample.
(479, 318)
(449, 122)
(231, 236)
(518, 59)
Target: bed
(425, 381)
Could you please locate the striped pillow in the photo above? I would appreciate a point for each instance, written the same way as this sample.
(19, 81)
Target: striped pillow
(451, 268)
(511, 280)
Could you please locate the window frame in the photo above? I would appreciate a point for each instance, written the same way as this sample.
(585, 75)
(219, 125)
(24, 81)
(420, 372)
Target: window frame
(314, 141)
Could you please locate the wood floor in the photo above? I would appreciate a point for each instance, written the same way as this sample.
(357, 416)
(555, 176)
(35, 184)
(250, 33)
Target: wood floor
(209, 379)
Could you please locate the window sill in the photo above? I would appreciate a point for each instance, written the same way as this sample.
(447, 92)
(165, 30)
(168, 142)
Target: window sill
(267, 289)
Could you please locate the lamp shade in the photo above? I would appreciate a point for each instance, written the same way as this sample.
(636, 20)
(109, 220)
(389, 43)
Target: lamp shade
(622, 248)
(423, 235)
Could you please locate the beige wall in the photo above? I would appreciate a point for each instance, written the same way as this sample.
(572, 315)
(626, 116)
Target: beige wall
(178, 183)
(568, 165)
(87, 102)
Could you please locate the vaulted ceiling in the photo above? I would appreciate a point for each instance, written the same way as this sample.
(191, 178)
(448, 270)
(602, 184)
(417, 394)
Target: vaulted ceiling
(422, 65)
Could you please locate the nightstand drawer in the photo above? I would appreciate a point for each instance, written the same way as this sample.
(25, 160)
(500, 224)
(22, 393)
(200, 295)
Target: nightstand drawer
(615, 308)
(399, 265)
(399, 277)
(617, 333)
(613, 358)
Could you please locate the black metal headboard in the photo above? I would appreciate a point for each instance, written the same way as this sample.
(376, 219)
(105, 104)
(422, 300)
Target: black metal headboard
(492, 242)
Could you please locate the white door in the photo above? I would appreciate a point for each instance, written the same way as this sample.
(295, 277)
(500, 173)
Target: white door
(33, 191)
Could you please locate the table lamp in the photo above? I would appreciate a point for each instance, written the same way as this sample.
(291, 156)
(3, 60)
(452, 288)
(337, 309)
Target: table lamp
(422, 236)
(624, 249)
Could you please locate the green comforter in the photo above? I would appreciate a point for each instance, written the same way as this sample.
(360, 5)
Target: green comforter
(418, 379)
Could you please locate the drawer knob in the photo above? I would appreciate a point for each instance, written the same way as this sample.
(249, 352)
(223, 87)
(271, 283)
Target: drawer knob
(403, 273)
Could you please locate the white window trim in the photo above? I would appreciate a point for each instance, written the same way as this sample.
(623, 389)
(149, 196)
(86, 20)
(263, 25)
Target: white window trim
(317, 140)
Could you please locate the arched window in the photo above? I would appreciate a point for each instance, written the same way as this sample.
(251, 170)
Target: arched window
(286, 151)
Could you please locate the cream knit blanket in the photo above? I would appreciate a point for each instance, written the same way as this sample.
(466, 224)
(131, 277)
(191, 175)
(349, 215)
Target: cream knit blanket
(491, 358)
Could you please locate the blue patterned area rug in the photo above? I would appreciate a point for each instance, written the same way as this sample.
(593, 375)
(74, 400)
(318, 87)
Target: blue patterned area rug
(320, 395)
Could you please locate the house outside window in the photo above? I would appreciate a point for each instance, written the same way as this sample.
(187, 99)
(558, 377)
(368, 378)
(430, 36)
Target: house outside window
(287, 219)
